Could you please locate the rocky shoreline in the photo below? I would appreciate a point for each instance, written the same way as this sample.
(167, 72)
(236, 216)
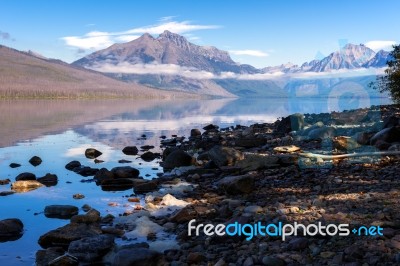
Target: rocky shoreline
(269, 173)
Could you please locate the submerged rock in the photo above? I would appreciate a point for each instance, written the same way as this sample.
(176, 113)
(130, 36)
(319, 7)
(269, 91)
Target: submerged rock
(60, 211)
(48, 180)
(148, 156)
(92, 216)
(130, 150)
(92, 153)
(14, 165)
(72, 165)
(119, 184)
(85, 171)
(124, 172)
(35, 161)
(11, 229)
(25, 176)
(145, 187)
(45, 256)
(26, 185)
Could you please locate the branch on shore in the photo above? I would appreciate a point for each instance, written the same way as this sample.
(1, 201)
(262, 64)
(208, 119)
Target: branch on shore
(349, 155)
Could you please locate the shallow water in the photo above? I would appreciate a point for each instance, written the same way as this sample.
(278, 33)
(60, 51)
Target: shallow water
(60, 131)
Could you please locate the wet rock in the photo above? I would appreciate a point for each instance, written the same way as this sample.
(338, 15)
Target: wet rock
(134, 256)
(48, 180)
(11, 229)
(148, 156)
(43, 257)
(130, 150)
(124, 161)
(134, 200)
(119, 184)
(91, 249)
(14, 165)
(237, 184)
(96, 161)
(6, 193)
(322, 133)
(389, 135)
(253, 209)
(60, 211)
(86, 171)
(177, 158)
(145, 187)
(103, 174)
(72, 165)
(293, 122)
(92, 216)
(35, 161)
(5, 181)
(125, 172)
(184, 215)
(211, 127)
(298, 243)
(25, 176)
(26, 185)
(223, 156)
(195, 132)
(64, 260)
(146, 147)
(63, 236)
(78, 196)
(273, 261)
(92, 153)
(195, 258)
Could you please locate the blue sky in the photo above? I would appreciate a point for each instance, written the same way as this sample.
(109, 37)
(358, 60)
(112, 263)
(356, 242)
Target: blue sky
(261, 33)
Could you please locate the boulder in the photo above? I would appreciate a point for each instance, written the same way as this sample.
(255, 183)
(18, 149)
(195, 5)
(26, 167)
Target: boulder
(119, 184)
(64, 260)
(195, 133)
(92, 153)
(48, 180)
(90, 249)
(92, 216)
(60, 211)
(177, 158)
(237, 184)
(72, 165)
(125, 172)
(103, 174)
(322, 133)
(345, 143)
(26, 185)
(25, 176)
(211, 127)
(148, 156)
(45, 256)
(389, 135)
(130, 150)
(85, 171)
(293, 122)
(35, 161)
(363, 138)
(11, 229)
(183, 215)
(63, 236)
(223, 156)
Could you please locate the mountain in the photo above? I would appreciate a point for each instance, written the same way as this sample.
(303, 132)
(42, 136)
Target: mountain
(30, 75)
(379, 60)
(167, 48)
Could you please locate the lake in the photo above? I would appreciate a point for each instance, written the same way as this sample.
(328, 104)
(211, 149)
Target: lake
(59, 131)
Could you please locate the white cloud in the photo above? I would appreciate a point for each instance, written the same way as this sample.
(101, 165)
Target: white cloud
(256, 53)
(380, 45)
(95, 40)
(341, 73)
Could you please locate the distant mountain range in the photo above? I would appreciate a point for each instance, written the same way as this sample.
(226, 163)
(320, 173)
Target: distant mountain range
(171, 66)
(164, 62)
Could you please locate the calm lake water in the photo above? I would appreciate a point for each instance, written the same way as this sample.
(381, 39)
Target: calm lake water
(60, 131)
